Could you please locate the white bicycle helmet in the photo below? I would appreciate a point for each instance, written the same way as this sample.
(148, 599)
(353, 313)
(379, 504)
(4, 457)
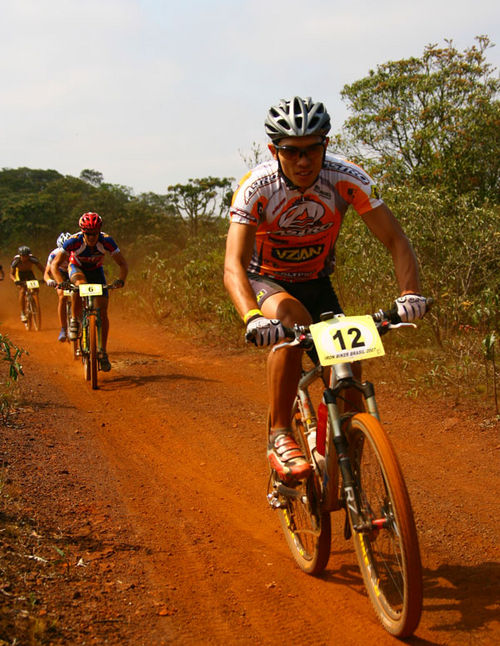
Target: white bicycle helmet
(62, 239)
(297, 117)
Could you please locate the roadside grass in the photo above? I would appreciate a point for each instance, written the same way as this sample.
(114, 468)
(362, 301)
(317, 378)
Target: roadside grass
(26, 564)
(183, 291)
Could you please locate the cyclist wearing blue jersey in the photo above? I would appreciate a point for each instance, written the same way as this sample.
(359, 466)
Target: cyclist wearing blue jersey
(86, 251)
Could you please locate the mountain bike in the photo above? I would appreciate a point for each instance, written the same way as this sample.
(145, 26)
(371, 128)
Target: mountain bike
(32, 309)
(355, 468)
(90, 340)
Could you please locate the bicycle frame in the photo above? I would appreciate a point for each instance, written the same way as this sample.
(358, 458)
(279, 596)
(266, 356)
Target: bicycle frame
(90, 342)
(90, 310)
(341, 379)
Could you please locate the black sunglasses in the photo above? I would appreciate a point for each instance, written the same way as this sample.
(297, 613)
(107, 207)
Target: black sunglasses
(293, 153)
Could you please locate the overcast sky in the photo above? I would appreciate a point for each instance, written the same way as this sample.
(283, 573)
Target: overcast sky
(154, 92)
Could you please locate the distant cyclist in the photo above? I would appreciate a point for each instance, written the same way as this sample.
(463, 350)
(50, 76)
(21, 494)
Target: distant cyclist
(49, 279)
(86, 251)
(21, 270)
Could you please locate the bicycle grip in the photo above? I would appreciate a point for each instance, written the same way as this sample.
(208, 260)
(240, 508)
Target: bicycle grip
(250, 336)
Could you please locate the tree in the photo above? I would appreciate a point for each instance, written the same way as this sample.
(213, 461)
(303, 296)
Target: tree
(258, 153)
(433, 120)
(200, 199)
(93, 177)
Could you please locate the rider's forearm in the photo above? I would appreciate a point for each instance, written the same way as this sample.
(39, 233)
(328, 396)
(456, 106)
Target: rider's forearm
(240, 290)
(406, 267)
(123, 272)
(57, 274)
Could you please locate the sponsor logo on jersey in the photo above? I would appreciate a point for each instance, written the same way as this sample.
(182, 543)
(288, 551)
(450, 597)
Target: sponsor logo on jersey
(257, 185)
(303, 218)
(348, 170)
(298, 254)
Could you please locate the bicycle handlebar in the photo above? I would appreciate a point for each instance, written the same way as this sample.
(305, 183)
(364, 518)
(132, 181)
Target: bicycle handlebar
(23, 282)
(384, 321)
(74, 288)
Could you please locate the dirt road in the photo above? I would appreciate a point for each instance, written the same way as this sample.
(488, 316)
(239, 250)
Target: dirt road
(156, 484)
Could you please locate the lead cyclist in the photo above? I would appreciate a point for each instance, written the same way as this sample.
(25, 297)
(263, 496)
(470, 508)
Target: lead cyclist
(86, 251)
(285, 218)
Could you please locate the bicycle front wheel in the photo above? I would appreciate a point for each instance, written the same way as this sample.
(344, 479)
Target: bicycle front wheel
(306, 527)
(387, 547)
(93, 351)
(85, 348)
(28, 310)
(36, 314)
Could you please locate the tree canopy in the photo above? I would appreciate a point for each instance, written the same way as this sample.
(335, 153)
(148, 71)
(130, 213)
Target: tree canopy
(434, 120)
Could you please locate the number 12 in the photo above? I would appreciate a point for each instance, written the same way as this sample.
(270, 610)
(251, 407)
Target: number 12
(357, 341)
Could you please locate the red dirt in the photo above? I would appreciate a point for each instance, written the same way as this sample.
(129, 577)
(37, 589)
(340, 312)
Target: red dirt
(153, 491)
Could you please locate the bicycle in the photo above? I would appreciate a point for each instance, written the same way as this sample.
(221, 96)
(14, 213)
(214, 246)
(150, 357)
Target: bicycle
(89, 343)
(355, 468)
(32, 309)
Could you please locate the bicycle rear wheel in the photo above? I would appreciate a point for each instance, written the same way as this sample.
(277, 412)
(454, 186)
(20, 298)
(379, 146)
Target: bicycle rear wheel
(307, 529)
(388, 554)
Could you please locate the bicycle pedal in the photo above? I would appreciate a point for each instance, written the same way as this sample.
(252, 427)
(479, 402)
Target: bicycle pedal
(273, 501)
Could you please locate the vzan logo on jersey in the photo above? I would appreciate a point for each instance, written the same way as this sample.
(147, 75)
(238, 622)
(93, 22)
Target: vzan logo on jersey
(298, 254)
(303, 218)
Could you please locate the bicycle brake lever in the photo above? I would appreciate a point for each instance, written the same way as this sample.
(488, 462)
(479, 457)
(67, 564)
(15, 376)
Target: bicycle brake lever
(286, 344)
(392, 326)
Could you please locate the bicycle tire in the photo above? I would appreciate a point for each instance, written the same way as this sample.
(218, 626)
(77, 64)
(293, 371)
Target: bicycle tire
(389, 557)
(28, 311)
(85, 349)
(306, 527)
(93, 351)
(36, 314)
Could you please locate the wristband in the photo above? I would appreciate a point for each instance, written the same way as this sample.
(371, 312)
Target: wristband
(251, 313)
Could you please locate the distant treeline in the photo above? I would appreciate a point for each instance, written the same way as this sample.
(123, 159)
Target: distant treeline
(36, 205)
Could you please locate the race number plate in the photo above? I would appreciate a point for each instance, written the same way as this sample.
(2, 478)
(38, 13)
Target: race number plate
(90, 289)
(32, 284)
(346, 338)
(67, 292)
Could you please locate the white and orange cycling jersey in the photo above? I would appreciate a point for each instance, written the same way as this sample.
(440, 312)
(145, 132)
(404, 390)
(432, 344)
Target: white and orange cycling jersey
(296, 232)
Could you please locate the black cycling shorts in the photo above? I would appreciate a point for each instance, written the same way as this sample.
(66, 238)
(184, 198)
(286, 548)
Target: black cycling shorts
(317, 295)
(92, 276)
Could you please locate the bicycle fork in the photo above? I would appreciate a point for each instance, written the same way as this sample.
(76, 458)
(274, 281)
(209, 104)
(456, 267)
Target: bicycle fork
(338, 442)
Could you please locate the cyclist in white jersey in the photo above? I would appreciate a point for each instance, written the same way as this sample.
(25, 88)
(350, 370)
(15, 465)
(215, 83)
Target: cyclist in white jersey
(286, 215)
(50, 282)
